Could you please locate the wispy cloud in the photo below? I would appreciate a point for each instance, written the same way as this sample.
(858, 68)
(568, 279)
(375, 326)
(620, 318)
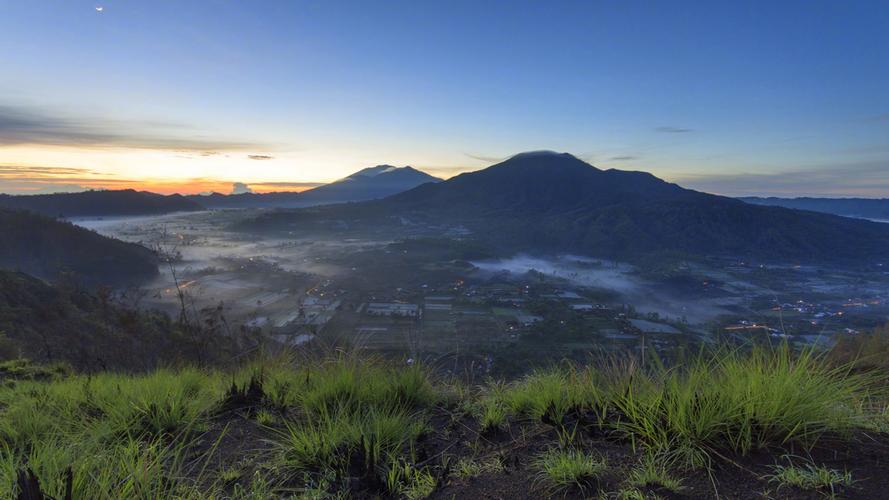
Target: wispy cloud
(673, 130)
(37, 179)
(486, 158)
(623, 158)
(15, 179)
(260, 157)
(861, 179)
(26, 125)
(17, 170)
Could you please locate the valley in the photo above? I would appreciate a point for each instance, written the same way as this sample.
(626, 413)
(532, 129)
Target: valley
(455, 302)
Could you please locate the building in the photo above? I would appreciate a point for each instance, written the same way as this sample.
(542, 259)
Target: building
(393, 309)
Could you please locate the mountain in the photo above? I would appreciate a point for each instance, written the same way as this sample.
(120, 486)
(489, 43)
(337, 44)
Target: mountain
(100, 203)
(551, 202)
(864, 208)
(366, 184)
(51, 249)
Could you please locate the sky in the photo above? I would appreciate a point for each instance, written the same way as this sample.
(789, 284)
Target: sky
(785, 98)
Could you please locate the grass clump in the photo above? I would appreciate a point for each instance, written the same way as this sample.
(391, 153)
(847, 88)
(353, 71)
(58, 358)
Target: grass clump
(742, 402)
(562, 469)
(351, 383)
(469, 468)
(409, 482)
(550, 395)
(329, 437)
(355, 414)
(810, 477)
(122, 436)
(492, 416)
(653, 471)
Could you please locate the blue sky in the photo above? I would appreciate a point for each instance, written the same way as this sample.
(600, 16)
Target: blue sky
(736, 98)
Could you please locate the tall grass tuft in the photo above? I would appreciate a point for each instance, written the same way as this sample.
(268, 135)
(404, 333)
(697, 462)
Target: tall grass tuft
(741, 401)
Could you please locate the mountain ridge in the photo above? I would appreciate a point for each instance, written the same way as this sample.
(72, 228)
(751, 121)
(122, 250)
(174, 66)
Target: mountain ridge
(97, 203)
(366, 184)
(554, 202)
(869, 208)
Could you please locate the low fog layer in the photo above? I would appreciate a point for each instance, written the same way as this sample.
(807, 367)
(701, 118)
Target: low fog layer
(618, 277)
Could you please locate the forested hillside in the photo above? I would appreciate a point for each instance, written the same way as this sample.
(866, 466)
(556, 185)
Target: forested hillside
(52, 249)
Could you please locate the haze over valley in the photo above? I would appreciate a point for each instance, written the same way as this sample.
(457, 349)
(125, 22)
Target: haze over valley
(473, 267)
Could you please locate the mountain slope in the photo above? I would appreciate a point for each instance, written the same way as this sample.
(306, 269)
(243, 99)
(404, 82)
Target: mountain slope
(865, 208)
(537, 183)
(48, 323)
(366, 184)
(281, 199)
(49, 249)
(100, 203)
(549, 202)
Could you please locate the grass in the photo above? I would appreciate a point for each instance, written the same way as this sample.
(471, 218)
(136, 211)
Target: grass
(653, 471)
(829, 482)
(356, 408)
(492, 416)
(127, 436)
(743, 401)
(409, 482)
(118, 433)
(469, 468)
(333, 419)
(727, 400)
(562, 469)
(550, 395)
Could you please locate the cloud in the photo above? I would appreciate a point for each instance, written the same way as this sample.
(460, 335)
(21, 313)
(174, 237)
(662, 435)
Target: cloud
(260, 157)
(240, 188)
(487, 159)
(17, 170)
(623, 158)
(24, 125)
(861, 179)
(673, 130)
(20, 179)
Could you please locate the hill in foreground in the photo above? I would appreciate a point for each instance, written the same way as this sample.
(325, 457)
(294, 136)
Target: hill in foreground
(51, 323)
(51, 249)
(732, 424)
(551, 202)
